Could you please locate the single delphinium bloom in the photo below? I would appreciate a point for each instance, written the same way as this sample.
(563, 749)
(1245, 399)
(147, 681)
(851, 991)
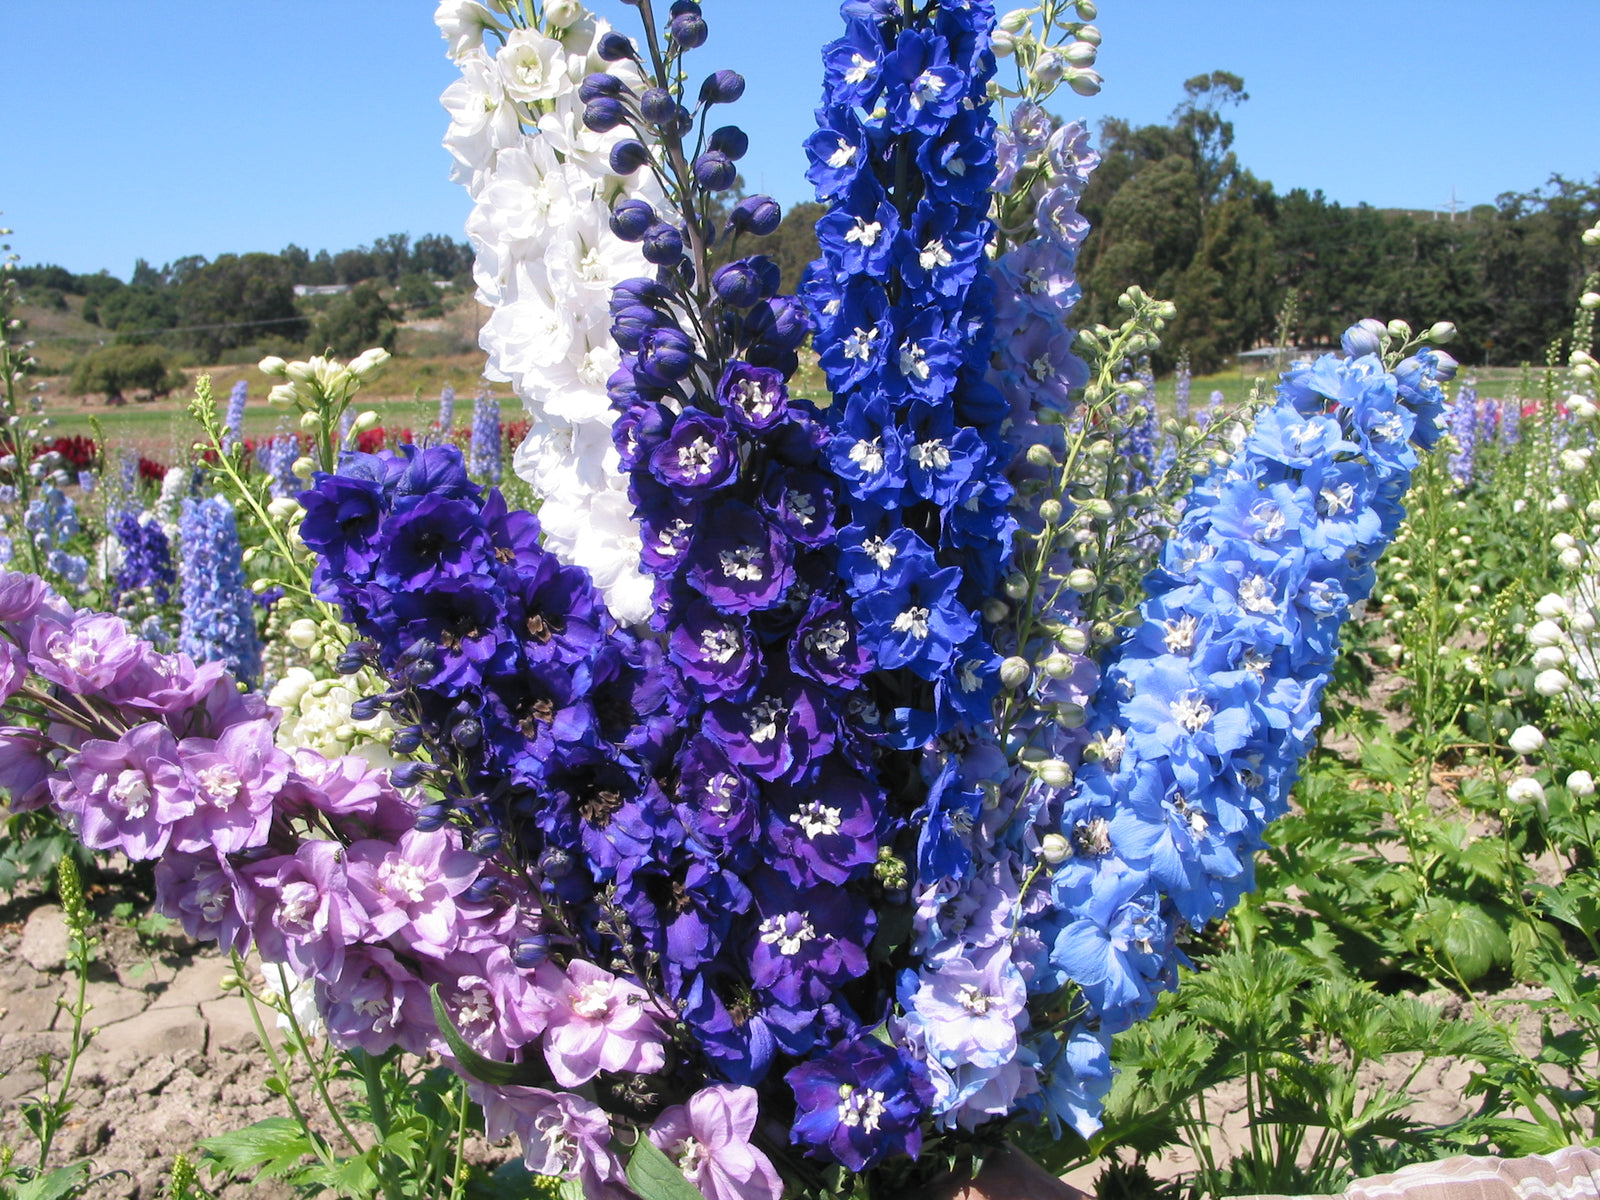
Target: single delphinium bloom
(543, 185)
(233, 419)
(486, 438)
(219, 623)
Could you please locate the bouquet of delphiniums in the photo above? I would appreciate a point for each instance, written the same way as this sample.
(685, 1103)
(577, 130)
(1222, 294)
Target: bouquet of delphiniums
(802, 799)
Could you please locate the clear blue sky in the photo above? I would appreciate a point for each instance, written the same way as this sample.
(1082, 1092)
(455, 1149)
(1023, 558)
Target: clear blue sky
(160, 128)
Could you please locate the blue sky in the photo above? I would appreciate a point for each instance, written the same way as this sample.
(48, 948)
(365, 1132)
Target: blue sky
(161, 128)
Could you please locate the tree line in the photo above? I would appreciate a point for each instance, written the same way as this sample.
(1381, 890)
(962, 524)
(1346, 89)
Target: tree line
(210, 306)
(1174, 211)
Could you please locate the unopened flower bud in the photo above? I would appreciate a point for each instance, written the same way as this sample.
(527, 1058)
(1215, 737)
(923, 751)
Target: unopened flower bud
(1089, 33)
(369, 362)
(1546, 657)
(1551, 683)
(1590, 301)
(309, 422)
(995, 610)
(1571, 559)
(562, 13)
(1399, 330)
(282, 509)
(1591, 237)
(1525, 791)
(1073, 640)
(1053, 772)
(1056, 665)
(282, 396)
(1050, 512)
(273, 365)
(1014, 20)
(1581, 784)
(1080, 53)
(1041, 455)
(303, 467)
(365, 421)
(1016, 586)
(1054, 848)
(303, 633)
(1084, 82)
(1525, 739)
(1014, 672)
(1442, 332)
(1081, 579)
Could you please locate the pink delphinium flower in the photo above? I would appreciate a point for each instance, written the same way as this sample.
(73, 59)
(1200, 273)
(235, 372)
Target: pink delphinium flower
(125, 795)
(709, 1139)
(305, 915)
(234, 780)
(88, 654)
(562, 1135)
(409, 888)
(598, 1022)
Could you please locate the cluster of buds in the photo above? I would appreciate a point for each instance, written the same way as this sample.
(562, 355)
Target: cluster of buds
(321, 390)
(1053, 44)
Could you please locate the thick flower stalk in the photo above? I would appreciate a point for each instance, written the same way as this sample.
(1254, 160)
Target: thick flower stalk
(219, 623)
(543, 186)
(1212, 702)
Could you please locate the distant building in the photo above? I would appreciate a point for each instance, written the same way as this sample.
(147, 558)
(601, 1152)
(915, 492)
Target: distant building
(321, 289)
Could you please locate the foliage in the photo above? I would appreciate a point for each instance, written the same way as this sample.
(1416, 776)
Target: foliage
(355, 321)
(118, 369)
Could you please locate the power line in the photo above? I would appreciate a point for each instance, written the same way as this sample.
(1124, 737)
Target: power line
(198, 328)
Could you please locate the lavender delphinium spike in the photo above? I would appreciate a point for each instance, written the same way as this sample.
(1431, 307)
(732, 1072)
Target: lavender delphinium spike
(218, 611)
(1182, 384)
(233, 423)
(486, 450)
(447, 412)
(1464, 430)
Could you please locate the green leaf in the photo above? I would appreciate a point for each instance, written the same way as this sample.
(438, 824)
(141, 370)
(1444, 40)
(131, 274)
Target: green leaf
(63, 1181)
(656, 1177)
(475, 1065)
(276, 1145)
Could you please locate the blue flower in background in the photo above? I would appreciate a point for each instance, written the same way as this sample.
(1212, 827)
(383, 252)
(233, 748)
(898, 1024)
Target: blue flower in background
(219, 622)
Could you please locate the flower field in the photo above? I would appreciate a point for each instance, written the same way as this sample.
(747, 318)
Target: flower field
(798, 736)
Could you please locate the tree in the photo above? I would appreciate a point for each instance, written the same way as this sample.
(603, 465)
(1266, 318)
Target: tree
(237, 300)
(356, 321)
(118, 369)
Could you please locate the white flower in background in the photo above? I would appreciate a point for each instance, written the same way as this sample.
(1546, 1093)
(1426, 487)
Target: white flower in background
(1551, 606)
(1549, 656)
(546, 262)
(1581, 784)
(1551, 683)
(1525, 791)
(169, 507)
(301, 994)
(316, 715)
(1525, 739)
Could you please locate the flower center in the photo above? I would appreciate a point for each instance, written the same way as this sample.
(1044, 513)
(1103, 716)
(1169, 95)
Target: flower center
(843, 155)
(753, 400)
(720, 643)
(864, 232)
(974, 999)
(932, 455)
(221, 784)
(696, 459)
(775, 931)
(860, 343)
(1191, 711)
(1255, 595)
(913, 621)
(592, 1001)
(914, 362)
(924, 88)
(1180, 634)
(745, 563)
(404, 880)
(816, 819)
(868, 455)
(131, 792)
(860, 68)
(765, 719)
(879, 551)
(934, 255)
(861, 1107)
(829, 640)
